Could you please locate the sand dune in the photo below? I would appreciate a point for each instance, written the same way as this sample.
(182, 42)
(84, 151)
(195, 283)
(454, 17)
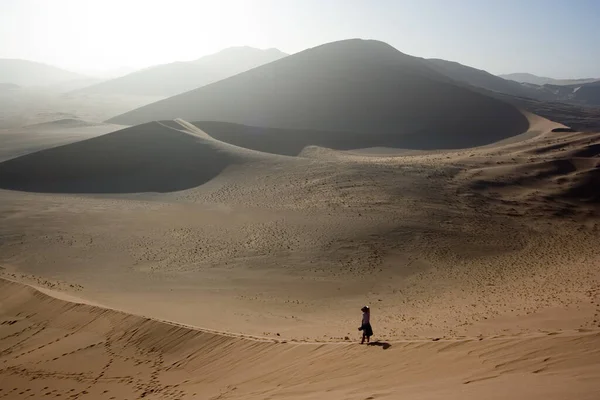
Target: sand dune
(20, 141)
(563, 168)
(46, 340)
(296, 242)
(153, 157)
(291, 142)
(365, 87)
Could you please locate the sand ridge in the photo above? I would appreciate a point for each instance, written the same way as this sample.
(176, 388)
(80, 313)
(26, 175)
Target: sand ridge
(130, 357)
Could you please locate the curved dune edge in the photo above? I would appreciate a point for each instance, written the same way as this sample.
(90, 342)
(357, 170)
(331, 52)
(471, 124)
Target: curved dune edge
(48, 345)
(539, 127)
(159, 157)
(558, 164)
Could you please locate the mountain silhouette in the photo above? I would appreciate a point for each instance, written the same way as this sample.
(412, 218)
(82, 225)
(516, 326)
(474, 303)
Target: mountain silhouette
(173, 78)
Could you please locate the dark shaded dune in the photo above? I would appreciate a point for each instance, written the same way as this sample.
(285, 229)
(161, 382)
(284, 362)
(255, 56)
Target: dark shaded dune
(151, 157)
(291, 142)
(278, 141)
(364, 87)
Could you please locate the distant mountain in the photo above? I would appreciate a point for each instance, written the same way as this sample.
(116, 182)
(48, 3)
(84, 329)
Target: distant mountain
(105, 74)
(579, 91)
(238, 59)
(482, 79)
(583, 94)
(542, 80)
(174, 78)
(362, 90)
(69, 86)
(29, 73)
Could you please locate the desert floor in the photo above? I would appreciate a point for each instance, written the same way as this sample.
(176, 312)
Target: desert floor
(480, 265)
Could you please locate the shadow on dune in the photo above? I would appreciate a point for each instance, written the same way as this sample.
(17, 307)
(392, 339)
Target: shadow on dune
(564, 169)
(291, 142)
(151, 157)
(383, 345)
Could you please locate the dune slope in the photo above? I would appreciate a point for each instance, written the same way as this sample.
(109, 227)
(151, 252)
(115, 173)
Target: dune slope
(153, 157)
(562, 168)
(359, 86)
(45, 342)
(291, 142)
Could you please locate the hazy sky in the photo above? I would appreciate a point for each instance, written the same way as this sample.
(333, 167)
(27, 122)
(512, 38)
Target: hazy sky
(557, 38)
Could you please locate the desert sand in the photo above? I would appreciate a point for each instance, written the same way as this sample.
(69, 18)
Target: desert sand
(227, 255)
(60, 349)
(160, 261)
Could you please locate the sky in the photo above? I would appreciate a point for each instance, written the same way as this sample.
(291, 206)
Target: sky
(555, 38)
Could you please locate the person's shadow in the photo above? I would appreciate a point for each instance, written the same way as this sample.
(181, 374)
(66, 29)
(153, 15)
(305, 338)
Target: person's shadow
(383, 345)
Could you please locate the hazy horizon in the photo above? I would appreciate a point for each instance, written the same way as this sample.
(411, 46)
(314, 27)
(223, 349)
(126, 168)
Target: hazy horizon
(501, 37)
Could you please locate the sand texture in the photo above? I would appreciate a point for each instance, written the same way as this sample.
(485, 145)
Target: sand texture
(239, 273)
(57, 349)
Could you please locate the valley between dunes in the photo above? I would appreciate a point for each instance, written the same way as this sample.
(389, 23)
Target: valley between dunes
(159, 261)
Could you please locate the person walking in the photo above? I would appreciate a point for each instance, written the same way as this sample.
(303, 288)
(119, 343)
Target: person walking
(365, 327)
